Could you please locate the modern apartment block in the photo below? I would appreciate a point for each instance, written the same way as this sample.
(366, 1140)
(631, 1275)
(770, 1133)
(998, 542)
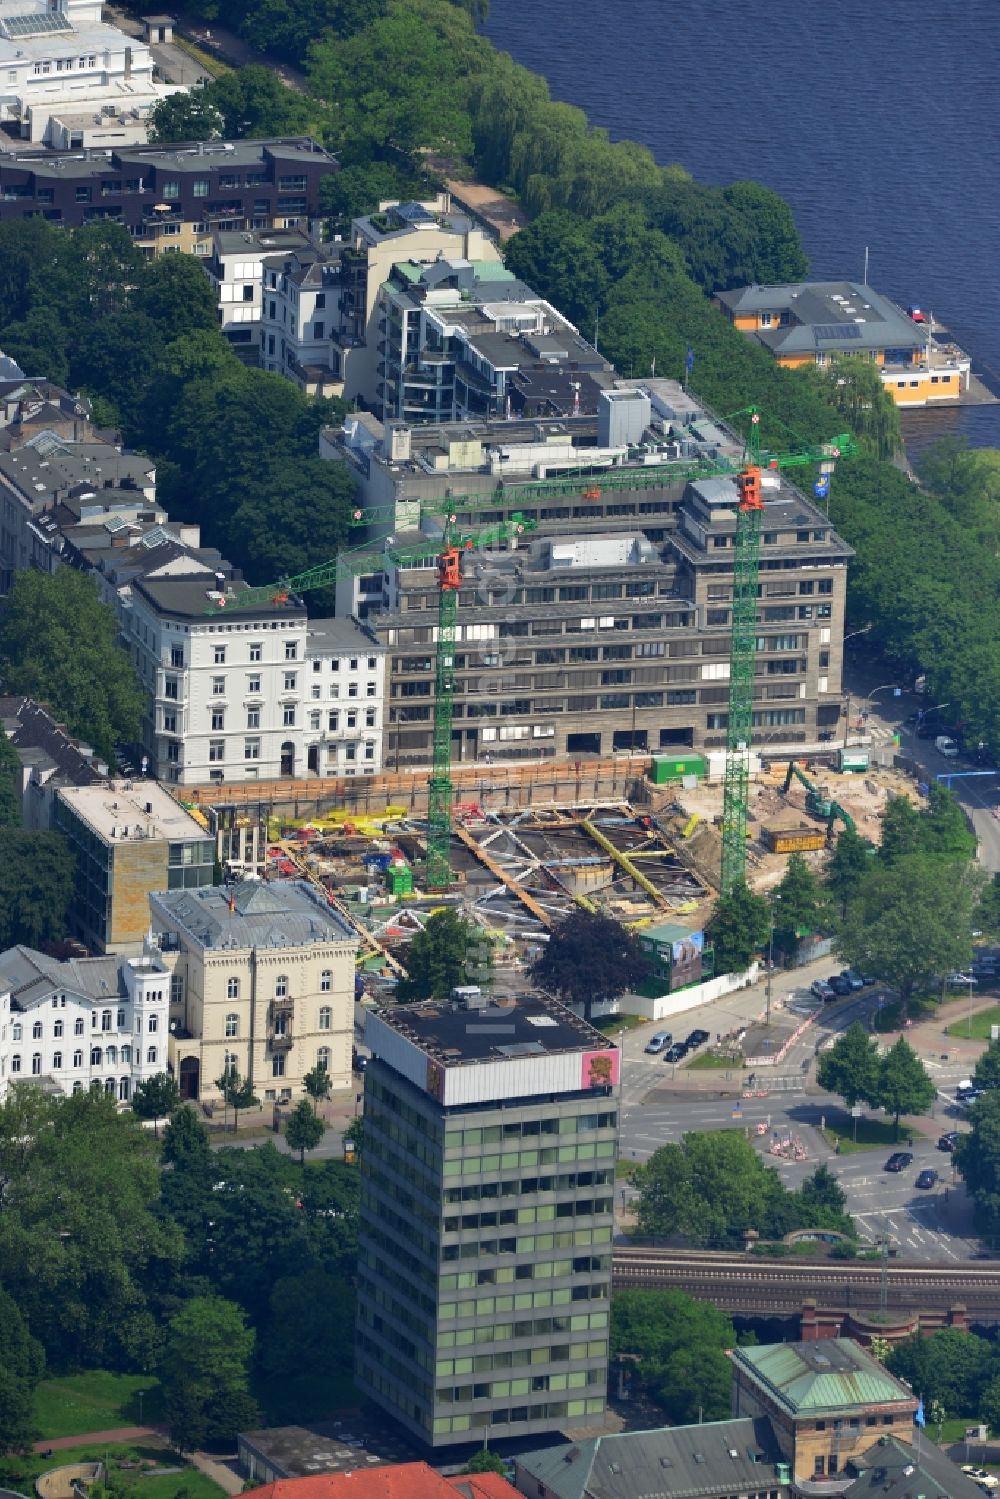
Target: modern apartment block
(235, 270)
(606, 628)
(171, 197)
(261, 983)
(86, 1022)
(300, 317)
(130, 838)
(70, 80)
(484, 1273)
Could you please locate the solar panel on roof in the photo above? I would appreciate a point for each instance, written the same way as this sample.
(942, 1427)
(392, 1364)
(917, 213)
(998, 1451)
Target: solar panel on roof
(837, 330)
(37, 25)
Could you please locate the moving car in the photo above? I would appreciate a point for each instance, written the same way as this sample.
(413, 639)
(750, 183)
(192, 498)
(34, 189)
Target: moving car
(898, 1161)
(984, 1479)
(657, 1042)
(948, 1142)
(927, 1179)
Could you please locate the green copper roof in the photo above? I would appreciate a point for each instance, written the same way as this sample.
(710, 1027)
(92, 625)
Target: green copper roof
(830, 1375)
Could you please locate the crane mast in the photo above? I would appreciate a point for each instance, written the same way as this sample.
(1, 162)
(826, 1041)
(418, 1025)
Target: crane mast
(742, 664)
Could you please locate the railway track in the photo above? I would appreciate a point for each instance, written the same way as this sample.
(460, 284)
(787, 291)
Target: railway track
(744, 1283)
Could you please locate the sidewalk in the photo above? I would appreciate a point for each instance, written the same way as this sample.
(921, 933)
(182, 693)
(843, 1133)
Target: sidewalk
(94, 1438)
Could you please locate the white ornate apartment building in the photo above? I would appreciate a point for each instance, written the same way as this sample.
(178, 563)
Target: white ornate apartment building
(70, 1025)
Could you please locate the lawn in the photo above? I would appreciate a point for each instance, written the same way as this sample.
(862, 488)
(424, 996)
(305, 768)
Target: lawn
(710, 1061)
(21, 1472)
(978, 1027)
(610, 1025)
(95, 1401)
(873, 1134)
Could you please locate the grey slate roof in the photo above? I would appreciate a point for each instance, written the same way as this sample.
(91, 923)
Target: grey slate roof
(686, 1462)
(31, 976)
(31, 728)
(825, 316)
(284, 914)
(892, 1469)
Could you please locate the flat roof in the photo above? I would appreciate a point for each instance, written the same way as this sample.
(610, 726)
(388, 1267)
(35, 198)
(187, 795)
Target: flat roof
(128, 811)
(338, 634)
(337, 1446)
(190, 156)
(192, 598)
(836, 316)
(517, 1025)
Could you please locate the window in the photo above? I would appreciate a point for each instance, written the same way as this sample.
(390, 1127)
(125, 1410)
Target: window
(96, 1056)
(218, 719)
(352, 720)
(216, 749)
(78, 1059)
(56, 1061)
(170, 688)
(120, 1020)
(170, 723)
(111, 1056)
(36, 1064)
(369, 718)
(253, 718)
(291, 650)
(200, 186)
(325, 981)
(288, 715)
(151, 1055)
(105, 1020)
(15, 1062)
(251, 749)
(281, 987)
(170, 189)
(36, 1031)
(126, 1055)
(77, 1029)
(176, 655)
(153, 1024)
(255, 653)
(371, 690)
(219, 655)
(323, 1059)
(233, 988)
(291, 678)
(352, 689)
(314, 720)
(57, 1029)
(325, 1018)
(232, 1027)
(333, 722)
(277, 1066)
(218, 686)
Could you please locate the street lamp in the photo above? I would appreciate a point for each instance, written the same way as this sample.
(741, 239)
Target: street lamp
(863, 631)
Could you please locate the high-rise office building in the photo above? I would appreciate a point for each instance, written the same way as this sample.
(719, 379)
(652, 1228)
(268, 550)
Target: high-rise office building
(484, 1277)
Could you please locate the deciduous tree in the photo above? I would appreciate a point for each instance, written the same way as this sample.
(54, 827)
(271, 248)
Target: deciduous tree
(155, 1097)
(440, 957)
(205, 1373)
(317, 1084)
(37, 880)
(22, 1363)
(739, 927)
(850, 1067)
(681, 1347)
(589, 957)
(237, 1092)
(304, 1130)
(904, 1086)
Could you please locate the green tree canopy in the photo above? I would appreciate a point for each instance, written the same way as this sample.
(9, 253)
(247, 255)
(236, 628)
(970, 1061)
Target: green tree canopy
(904, 1086)
(155, 1097)
(440, 957)
(37, 882)
(304, 1130)
(237, 1092)
(681, 1347)
(22, 1363)
(850, 1067)
(950, 1366)
(185, 1140)
(10, 784)
(317, 1084)
(977, 1158)
(59, 645)
(204, 1373)
(847, 867)
(190, 116)
(799, 904)
(739, 928)
(589, 957)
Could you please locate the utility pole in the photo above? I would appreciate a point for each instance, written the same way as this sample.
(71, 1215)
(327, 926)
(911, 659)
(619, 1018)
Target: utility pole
(767, 989)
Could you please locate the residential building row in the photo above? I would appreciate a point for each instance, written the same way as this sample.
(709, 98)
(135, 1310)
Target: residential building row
(255, 978)
(72, 81)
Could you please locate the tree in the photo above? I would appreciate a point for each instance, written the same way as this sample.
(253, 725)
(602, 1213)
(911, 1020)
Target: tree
(185, 1140)
(360, 188)
(237, 1092)
(37, 881)
(205, 1373)
(187, 116)
(310, 1324)
(155, 1097)
(977, 1158)
(850, 1067)
(10, 784)
(989, 1404)
(485, 1461)
(253, 102)
(304, 1130)
(681, 1347)
(59, 644)
(911, 922)
(22, 1363)
(854, 385)
(904, 1086)
(822, 1192)
(439, 957)
(986, 917)
(798, 905)
(711, 1188)
(317, 1084)
(739, 927)
(847, 867)
(589, 957)
(177, 297)
(950, 1366)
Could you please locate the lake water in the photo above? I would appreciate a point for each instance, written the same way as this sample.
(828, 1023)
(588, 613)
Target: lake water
(874, 119)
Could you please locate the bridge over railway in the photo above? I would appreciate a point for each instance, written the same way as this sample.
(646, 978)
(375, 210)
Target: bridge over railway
(753, 1285)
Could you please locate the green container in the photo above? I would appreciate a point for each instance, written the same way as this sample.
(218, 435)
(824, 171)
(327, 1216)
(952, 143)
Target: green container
(675, 767)
(399, 879)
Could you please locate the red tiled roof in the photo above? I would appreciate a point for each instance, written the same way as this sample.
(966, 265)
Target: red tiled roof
(403, 1481)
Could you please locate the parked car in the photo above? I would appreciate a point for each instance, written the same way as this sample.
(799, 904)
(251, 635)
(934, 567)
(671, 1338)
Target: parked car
(840, 985)
(946, 746)
(949, 1141)
(675, 1053)
(359, 1061)
(697, 1038)
(898, 1161)
(821, 989)
(927, 1179)
(657, 1042)
(984, 1479)
(854, 979)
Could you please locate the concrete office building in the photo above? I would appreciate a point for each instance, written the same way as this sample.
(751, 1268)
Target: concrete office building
(484, 1274)
(130, 838)
(607, 627)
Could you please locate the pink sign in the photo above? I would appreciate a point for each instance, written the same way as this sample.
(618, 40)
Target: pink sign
(599, 1069)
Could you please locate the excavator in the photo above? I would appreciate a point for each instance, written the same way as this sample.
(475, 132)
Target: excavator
(818, 805)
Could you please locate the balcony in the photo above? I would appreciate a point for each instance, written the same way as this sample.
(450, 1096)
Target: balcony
(279, 1041)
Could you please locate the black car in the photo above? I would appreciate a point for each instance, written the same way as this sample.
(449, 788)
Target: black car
(948, 1142)
(675, 1053)
(840, 985)
(927, 1179)
(696, 1038)
(898, 1161)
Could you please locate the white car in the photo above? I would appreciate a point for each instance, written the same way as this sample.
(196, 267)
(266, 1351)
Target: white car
(981, 1476)
(658, 1042)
